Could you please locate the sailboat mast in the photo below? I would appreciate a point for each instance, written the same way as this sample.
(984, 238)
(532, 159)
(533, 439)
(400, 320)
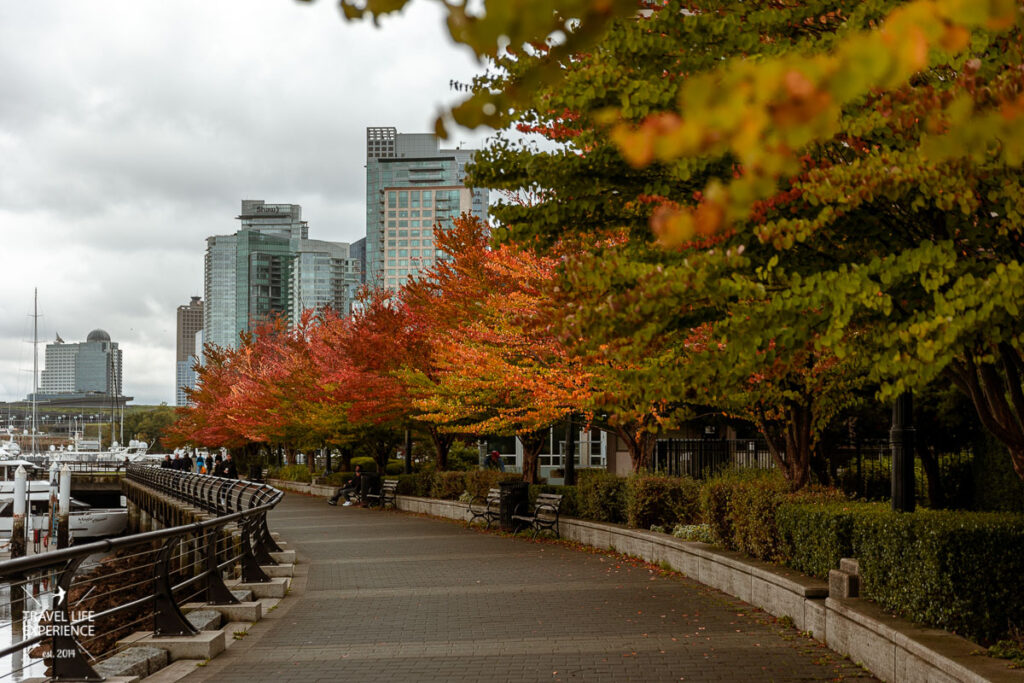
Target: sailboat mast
(35, 362)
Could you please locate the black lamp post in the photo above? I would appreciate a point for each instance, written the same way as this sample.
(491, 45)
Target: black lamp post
(569, 464)
(901, 443)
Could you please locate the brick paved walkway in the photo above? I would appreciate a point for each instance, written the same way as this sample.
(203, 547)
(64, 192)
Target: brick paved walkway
(385, 596)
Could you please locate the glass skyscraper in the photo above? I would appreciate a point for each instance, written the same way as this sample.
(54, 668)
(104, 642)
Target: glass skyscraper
(413, 187)
(270, 268)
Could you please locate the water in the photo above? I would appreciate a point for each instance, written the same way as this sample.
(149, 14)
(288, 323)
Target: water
(19, 665)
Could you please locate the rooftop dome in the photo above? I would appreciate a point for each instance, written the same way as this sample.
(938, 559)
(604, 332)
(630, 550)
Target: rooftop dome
(98, 336)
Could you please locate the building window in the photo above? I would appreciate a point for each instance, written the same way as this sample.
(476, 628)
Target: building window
(403, 224)
(391, 224)
(403, 214)
(414, 243)
(403, 233)
(403, 243)
(414, 252)
(414, 233)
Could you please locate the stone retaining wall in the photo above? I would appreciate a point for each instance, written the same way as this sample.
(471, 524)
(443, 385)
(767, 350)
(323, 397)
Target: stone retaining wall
(891, 648)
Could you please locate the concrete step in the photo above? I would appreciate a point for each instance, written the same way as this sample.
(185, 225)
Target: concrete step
(277, 570)
(284, 557)
(205, 619)
(133, 663)
(204, 645)
(175, 671)
(275, 588)
(242, 596)
(248, 611)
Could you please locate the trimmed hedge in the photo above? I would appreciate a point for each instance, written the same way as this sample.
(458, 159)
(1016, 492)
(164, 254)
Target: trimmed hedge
(660, 500)
(368, 464)
(291, 473)
(448, 485)
(951, 570)
(478, 482)
(740, 507)
(954, 570)
(813, 537)
(601, 497)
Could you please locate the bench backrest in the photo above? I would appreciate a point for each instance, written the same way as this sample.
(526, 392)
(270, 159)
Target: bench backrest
(494, 494)
(390, 484)
(552, 499)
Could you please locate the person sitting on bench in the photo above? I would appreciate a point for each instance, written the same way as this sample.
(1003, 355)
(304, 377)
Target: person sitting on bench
(351, 486)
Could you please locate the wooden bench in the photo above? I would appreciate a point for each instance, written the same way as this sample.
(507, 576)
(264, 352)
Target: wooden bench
(486, 508)
(386, 495)
(544, 515)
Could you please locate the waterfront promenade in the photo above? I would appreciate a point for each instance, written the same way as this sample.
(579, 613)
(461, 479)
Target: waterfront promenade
(387, 596)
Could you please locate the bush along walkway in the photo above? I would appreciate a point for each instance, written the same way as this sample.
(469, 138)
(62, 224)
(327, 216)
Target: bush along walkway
(391, 596)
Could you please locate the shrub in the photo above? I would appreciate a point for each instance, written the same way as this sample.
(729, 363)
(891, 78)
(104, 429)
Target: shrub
(448, 485)
(752, 506)
(337, 478)
(478, 481)
(693, 532)
(953, 570)
(463, 456)
(407, 485)
(600, 496)
(813, 537)
(661, 500)
(368, 464)
(394, 467)
(716, 501)
(291, 473)
(423, 482)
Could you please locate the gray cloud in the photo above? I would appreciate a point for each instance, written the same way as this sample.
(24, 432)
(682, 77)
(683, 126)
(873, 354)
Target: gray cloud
(131, 129)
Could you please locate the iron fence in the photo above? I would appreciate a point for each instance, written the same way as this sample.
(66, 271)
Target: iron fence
(93, 594)
(699, 458)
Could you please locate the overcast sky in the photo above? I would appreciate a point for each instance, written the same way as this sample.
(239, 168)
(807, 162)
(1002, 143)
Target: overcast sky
(131, 130)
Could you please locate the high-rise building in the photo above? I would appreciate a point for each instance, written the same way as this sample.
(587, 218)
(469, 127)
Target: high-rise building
(190, 321)
(270, 268)
(85, 368)
(413, 188)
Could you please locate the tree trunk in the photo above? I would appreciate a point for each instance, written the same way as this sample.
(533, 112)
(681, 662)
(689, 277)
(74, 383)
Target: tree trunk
(996, 392)
(533, 443)
(442, 445)
(930, 464)
(639, 440)
(791, 444)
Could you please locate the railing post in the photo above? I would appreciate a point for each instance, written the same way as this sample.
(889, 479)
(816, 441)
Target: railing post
(65, 652)
(217, 592)
(167, 617)
(251, 570)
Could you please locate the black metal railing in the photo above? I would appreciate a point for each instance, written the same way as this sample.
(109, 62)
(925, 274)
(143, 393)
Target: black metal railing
(699, 458)
(96, 593)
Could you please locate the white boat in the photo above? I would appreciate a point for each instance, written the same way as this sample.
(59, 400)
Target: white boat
(84, 520)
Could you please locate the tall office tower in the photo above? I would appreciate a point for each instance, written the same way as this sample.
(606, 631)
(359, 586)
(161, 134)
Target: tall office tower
(413, 187)
(324, 275)
(84, 368)
(250, 275)
(190, 321)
